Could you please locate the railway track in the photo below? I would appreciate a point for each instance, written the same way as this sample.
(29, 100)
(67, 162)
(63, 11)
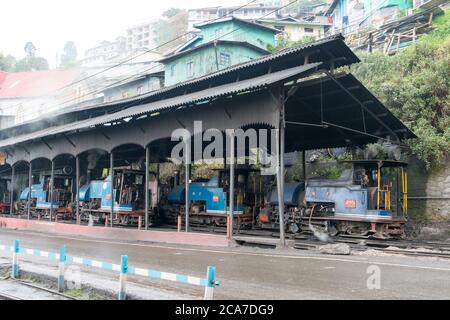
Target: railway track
(307, 241)
(7, 296)
(16, 289)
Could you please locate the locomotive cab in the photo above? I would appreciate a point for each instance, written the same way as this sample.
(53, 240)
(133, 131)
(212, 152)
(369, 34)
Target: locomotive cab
(370, 197)
(128, 196)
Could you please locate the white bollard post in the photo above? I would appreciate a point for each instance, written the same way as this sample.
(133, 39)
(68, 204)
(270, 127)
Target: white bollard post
(123, 278)
(15, 262)
(210, 283)
(62, 262)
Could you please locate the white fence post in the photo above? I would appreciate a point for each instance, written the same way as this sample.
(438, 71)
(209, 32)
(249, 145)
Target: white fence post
(210, 283)
(123, 278)
(62, 262)
(15, 262)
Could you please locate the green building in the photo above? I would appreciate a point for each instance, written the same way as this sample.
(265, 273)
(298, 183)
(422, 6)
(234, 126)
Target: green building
(219, 44)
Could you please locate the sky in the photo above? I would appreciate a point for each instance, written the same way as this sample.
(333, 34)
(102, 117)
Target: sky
(49, 24)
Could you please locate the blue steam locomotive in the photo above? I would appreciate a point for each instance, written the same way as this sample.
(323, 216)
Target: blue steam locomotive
(209, 200)
(368, 199)
(41, 200)
(128, 195)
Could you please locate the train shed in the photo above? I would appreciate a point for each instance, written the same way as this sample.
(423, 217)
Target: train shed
(296, 91)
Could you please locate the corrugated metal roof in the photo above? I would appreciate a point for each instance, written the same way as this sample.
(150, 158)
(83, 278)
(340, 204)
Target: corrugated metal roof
(36, 83)
(333, 44)
(219, 91)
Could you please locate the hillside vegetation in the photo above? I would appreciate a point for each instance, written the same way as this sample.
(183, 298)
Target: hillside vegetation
(415, 85)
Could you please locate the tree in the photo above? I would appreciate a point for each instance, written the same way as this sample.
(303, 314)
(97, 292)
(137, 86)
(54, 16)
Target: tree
(30, 49)
(415, 85)
(174, 25)
(7, 63)
(69, 56)
(170, 13)
(32, 64)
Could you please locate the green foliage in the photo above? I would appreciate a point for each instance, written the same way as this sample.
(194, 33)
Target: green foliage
(7, 63)
(204, 170)
(332, 172)
(284, 43)
(171, 12)
(171, 28)
(69, 56)
(415, 85)
(32, 64)
(30, 49)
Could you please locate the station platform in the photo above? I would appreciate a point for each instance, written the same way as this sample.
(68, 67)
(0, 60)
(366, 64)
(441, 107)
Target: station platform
(115, 233)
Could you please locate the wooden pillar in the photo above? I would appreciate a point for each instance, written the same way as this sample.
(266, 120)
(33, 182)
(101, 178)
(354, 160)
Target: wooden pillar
(147, 178)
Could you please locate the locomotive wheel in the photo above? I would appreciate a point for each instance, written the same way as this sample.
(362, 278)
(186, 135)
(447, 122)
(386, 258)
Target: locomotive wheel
(357, 231)
(332, 230)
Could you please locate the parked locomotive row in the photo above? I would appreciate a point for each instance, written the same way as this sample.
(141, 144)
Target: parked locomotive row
(367, 198)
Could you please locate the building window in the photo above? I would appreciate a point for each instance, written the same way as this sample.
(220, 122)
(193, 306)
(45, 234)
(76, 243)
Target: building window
(190, 69)
(172, 71)
(281, 28)
(309, 30)
(225, 59)
(140, 90)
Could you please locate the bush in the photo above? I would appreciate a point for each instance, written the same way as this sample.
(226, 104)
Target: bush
(415, 86)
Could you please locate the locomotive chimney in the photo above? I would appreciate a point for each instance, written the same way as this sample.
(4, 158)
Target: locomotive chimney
(176, 178)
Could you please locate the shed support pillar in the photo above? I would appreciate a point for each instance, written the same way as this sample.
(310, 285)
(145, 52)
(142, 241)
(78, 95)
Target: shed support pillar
(111, 174)
(30, 183)
(147, 198)
(187, 178)
(52, 178)
(11, 192)
(304, 165)
(280, 169)
(231, 218)
(77, 188)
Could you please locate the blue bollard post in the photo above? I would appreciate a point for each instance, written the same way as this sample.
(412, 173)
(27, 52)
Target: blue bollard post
(15, 263)
(62, 262)
(123, 278)
(210, 283)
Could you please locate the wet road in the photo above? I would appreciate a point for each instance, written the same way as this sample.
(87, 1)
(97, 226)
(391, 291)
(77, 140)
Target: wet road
(247, 273)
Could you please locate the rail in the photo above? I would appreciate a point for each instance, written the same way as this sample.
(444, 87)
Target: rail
(209, 283)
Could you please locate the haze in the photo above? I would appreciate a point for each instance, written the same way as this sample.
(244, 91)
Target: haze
(50, 23)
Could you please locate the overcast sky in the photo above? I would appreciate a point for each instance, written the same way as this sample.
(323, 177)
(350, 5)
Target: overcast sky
(50, 23)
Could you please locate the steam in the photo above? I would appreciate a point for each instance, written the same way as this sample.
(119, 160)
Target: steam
(93, 158)
(319, 234)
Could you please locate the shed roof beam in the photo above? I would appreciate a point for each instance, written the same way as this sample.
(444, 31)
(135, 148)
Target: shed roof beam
(358, 101)
(69, 140)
